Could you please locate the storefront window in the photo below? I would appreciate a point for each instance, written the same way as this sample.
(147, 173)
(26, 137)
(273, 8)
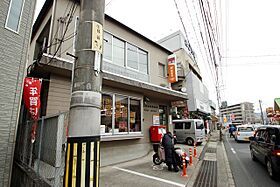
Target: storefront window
(106, 114)
(135, 115)
(121, 114)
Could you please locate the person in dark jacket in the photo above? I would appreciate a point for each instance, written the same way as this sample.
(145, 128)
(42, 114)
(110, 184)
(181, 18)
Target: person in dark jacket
(168, 144)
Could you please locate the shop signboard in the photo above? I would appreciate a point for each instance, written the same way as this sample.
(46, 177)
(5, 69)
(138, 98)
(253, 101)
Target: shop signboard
(31, 99)
(172, 69)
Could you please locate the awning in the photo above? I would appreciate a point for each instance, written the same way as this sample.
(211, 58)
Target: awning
(147, 89)
(64, 67)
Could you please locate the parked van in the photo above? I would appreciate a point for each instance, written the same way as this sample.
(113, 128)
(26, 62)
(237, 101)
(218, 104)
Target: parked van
(189, 130)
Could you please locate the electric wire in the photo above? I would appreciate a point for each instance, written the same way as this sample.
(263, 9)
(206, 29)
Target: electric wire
(189, 13)
(210, 50)
(185, 31)
(72, 11)
(208, 54)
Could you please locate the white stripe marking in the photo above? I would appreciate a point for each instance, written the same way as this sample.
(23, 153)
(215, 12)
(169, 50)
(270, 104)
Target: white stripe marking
(233, 150)
(150, 177)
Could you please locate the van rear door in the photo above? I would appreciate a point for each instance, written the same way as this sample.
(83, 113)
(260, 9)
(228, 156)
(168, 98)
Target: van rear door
(199, 129)
(179, 128)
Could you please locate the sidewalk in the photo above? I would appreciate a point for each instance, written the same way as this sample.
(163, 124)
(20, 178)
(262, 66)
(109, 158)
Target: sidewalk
(213, 169)
(142, 172)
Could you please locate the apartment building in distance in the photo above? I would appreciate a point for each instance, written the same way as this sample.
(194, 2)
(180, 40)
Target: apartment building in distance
(238, 114)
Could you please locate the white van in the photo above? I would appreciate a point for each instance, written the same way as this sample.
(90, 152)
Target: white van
(189, 130)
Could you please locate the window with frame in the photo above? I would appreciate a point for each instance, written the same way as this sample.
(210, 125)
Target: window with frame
(135, 115)
(188, 125)
(161, 70)
(120, 114)
(179, 125)
(137, 58)
(106, 114)
(118, 51)
(107, 53)
(143, 61)
(14, 15)
(124, 54)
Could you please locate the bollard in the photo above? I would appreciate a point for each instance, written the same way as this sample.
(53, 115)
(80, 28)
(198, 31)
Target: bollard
(184, 172)
(194, 150)
(190, 152)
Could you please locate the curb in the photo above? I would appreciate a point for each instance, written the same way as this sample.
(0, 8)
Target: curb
(231, 182)
(197, 166)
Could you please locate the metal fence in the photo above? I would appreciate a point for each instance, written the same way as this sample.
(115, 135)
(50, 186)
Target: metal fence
(46, 155)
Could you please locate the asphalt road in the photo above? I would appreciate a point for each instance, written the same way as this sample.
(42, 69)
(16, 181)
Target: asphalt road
(246, 172)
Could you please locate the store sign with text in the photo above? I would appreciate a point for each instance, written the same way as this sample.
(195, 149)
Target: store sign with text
(172, 69)
(31, 96)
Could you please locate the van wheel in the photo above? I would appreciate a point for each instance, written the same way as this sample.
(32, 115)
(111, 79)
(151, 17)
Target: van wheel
(189, 141)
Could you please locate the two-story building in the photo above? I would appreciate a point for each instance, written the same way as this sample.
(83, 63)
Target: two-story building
(135, 89)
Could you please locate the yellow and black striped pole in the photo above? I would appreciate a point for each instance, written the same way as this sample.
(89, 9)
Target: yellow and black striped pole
(82, 159)
(82, 162)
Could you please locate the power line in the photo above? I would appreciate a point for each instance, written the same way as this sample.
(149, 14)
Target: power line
(71, 13)
(252, 56)
(188, 45)
(252, 64)
(189, 13)
(209, 41)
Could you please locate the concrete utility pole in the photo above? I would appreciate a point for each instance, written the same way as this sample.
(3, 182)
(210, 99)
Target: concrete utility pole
(261, 110)
(83, 144)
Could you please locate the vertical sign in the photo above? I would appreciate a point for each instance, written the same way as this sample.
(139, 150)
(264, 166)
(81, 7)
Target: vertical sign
(172, 69)
(31, 96)
(31, 99)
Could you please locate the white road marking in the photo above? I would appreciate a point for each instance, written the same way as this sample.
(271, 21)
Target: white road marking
(233, 150)
(248, 174)
(150, 177)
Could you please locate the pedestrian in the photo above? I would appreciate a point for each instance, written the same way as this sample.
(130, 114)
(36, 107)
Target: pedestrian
(168, 144)
(231, 130)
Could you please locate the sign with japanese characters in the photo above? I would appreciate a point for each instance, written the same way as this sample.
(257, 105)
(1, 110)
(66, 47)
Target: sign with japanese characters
(31, 96)
(97, 37)
(172, 69)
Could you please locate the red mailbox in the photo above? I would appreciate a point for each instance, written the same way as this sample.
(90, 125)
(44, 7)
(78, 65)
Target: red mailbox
(156, 132)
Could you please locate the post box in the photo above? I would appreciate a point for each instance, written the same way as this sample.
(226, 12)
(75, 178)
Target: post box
(156, 133)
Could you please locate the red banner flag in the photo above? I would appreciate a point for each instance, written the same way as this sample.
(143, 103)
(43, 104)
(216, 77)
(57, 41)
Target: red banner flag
(31, 96)
(31, 99)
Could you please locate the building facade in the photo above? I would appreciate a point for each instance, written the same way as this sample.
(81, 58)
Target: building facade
(238, 114)
(189, 76)
(16, 21)
(136, 93)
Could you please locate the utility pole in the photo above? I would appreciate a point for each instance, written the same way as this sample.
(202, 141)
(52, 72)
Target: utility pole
(82, 159)
(261, 110)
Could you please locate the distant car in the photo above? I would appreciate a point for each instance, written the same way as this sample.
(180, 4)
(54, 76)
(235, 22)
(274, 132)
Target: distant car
(243, 132)
(265, 147)
(257, 125)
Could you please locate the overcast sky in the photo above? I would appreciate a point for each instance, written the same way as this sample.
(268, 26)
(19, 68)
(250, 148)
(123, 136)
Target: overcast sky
(249, 32)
